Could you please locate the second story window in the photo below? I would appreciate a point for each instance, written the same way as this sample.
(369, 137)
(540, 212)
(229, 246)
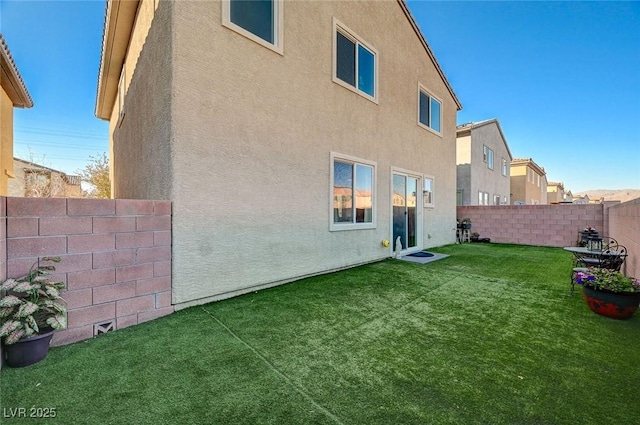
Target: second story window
(429, 110)
(355, 63)
(258, 20)
(487, 156)
(504, 167)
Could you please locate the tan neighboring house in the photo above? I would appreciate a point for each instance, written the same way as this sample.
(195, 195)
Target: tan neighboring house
(581, 199)
(483, 161)
(37, 181)
(14, 94)
(556, 193)
(528, 182)
(262, 121)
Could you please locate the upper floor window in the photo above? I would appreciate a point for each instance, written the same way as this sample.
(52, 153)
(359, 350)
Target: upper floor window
(355, 63)
(258, 20)
(504, 167)
(487, 156)
(429, 110)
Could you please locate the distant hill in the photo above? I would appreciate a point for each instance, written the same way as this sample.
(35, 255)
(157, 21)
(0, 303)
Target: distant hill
(623, 195)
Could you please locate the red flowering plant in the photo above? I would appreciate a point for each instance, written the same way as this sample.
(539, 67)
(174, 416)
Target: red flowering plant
(607, 280)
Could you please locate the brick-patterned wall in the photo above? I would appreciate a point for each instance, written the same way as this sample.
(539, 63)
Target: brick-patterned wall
(116, 257)
(544, 225)
(624, 226)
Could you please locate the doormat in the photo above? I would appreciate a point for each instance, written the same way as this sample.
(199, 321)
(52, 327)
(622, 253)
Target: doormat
(420, 254)
(423, 257)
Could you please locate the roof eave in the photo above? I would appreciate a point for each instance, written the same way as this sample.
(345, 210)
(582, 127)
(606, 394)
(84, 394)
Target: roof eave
(413, 23)
(11, 80)
(118, 25)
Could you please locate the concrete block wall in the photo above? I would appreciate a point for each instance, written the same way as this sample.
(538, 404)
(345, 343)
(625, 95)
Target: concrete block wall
(116, 257)
(543, 225)
(624, 226)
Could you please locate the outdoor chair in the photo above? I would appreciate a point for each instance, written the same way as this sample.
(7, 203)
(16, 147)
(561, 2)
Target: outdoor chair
(609, 258)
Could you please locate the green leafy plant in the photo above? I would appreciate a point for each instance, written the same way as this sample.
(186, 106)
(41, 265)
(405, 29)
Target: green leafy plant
(609, 280)
(32, 304)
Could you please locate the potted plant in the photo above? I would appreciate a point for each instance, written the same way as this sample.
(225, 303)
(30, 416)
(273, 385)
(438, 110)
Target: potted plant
(31, 309)
(609, 292)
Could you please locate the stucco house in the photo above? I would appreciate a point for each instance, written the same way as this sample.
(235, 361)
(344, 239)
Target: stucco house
(483, 163)
(557, 194)
(292, 138)
(35, 180)
(13, 94)
(528, 182)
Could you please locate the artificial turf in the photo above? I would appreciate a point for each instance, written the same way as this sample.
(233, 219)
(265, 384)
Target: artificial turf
(488, 335)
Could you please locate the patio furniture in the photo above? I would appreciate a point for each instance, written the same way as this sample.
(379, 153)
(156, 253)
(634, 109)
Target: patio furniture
(611, 257)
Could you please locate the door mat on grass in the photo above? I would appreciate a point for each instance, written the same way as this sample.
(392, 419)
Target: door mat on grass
(423, 257)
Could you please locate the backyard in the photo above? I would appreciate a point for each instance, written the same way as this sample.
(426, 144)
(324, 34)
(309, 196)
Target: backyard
(488, 335)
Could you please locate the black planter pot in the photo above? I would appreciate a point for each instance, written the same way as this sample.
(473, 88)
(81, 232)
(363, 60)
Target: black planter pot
(29, 350)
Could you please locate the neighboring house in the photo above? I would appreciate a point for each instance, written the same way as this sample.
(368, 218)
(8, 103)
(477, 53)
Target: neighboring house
(13, 94)
(556, 193)
(581, 199)
(568, 196)
(292, 138)
(483, 160)
(528, 182)
(37, 181)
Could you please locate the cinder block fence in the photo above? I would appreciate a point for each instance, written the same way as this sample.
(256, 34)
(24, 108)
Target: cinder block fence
(116, 257)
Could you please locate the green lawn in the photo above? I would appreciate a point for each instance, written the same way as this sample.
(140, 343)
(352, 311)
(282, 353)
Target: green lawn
(488, 335)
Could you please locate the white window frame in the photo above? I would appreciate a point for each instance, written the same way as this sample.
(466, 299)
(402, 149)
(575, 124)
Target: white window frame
(423, 89)
(278, 31)
(428, 195)
(490, 159)
(334, 227)
(121, 94)
(348, 33)
(504, 167)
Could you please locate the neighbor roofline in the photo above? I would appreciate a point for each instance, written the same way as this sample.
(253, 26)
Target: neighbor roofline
(414, 24)
(11, 80)
(529, 161)
(467, 127)
(118, 24)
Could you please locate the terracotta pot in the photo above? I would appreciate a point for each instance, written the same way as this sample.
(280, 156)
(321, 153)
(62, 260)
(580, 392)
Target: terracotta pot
(29, 350)
(617, 305)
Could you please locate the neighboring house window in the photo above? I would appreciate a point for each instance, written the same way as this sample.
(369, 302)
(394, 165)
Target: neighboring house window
(355, 63)
(504, 167)
(258, 20)
(496, 199)
(487, 156)
(429, 110)
(428, 191)
(352, 193)
(483, 198)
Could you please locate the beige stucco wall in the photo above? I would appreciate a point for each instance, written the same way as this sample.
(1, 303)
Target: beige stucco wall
(524, 190)
(6, 141)
(141, 143)
(250, 135)
(483, 178)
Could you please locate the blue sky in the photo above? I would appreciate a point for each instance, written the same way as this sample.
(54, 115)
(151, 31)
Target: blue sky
(563, 78)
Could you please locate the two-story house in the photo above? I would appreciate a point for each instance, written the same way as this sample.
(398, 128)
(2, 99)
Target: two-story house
(13, 94)
(292, 137)
(483, 163)
(528, 182)
(37, 181)
(557, 194)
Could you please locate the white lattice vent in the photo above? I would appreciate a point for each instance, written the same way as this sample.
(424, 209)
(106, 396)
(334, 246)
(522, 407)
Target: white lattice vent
(103, 328)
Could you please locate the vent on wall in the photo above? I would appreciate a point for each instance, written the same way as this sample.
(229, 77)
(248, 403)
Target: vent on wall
(103, 328)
